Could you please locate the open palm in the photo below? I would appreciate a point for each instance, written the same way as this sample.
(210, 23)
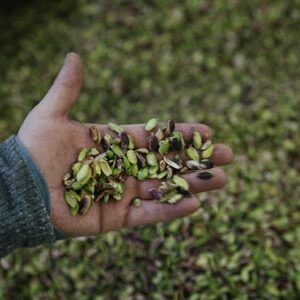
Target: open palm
(54, 142)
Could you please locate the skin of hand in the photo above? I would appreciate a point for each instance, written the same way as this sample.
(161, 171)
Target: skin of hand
(54, 141)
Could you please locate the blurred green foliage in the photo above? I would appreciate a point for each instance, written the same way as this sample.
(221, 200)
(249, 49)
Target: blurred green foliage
(231, 64)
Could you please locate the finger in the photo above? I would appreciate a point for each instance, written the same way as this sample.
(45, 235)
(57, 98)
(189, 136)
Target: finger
(197, 185)
(151, 212)
(66, 88)
(140, 136)
(222, 155)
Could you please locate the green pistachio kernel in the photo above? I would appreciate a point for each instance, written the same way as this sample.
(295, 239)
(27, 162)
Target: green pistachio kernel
(181, 182)
(131, 156)
(83, 154)
(151, 124)
(197, 140)
(114, 127)
(105, 168)
(164, 146)
(193, 153)
(137, 202)
(151, 159)
(208, 152)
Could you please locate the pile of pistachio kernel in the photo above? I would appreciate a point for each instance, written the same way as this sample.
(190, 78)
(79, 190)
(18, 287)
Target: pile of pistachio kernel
(100, 172)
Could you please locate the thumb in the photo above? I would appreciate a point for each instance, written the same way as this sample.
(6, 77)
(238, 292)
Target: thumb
(66, 88)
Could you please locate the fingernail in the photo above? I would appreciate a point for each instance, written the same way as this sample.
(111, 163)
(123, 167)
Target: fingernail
(205, 175)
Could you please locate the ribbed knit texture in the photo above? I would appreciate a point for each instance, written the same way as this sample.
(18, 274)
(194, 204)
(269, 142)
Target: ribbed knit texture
(24, 221)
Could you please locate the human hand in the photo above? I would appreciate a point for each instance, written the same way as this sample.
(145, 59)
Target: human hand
(54, 141)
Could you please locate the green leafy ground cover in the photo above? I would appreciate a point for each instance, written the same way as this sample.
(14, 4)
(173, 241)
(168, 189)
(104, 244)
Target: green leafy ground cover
(231, 64)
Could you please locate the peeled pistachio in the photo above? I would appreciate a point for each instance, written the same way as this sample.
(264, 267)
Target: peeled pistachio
(137, 202)
(70, 199)
(117, 150)
(151, 124)
(142, 150)
(127, 166)
(197, 140)
(131, 156)
(175, 198)
(74, 210)
(67, 176)
(82, 154)
(84, 174)
(164, 146)
(110, 154)
(134, 170)
(108, 139)
(143, 174)
(193, 153)
(93, 152)
(106, 198)
(117, 196)
(153, 170)
(130, 142)
(114, 127)
(151, 159)
(76, 186)
(208, 152)
(162, 175)
(179, 181)
(105, 168)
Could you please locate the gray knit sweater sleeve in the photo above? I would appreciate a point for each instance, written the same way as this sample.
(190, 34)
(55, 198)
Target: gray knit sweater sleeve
(24, 200)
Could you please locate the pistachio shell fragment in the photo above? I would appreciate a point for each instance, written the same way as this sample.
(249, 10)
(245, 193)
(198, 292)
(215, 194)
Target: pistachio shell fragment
(170, 127)
(95, 134)
(197, 140)
(172, 163)
(86, 203)
(153, 143)
(206, 145)
(115, 127)
(159, 134)
(141, 160)
(151, 124)
(124, 139)
(193, 153)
